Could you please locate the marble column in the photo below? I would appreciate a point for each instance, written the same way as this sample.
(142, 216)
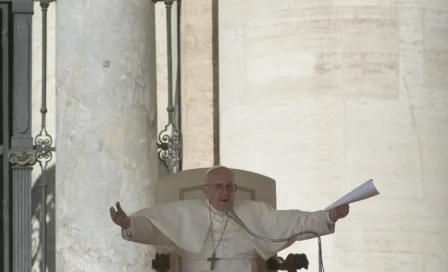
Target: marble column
(106, 128)
(323, 95)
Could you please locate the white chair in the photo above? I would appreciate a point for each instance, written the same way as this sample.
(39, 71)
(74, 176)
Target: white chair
(188, 185)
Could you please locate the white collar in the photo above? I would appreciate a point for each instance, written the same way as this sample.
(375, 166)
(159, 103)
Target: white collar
(215, 211)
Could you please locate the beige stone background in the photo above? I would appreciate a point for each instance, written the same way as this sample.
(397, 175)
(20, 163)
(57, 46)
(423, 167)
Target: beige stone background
(323, 95)
(320, 95)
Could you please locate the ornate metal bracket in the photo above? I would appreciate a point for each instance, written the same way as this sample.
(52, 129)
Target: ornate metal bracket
(170, 146)
(43, 146)
(41, 153)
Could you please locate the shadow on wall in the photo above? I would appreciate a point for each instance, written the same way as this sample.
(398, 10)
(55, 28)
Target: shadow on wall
(37, 196)
(37, 222)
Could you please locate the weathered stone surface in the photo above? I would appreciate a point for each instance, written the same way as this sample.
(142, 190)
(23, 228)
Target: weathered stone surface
(323, 95)
(197, 83)
(106, 127)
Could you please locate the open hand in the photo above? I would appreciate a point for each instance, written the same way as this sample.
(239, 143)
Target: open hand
(119, 217)
(339, 212)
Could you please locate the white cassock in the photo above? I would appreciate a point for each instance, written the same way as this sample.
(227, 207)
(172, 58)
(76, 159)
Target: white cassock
(186, 225)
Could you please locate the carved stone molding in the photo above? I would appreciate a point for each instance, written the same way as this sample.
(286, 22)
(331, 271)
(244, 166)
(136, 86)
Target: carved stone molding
(23, 157)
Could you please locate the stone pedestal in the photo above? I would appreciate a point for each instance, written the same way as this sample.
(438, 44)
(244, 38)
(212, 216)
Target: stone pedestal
(106, 127)
(323, 95)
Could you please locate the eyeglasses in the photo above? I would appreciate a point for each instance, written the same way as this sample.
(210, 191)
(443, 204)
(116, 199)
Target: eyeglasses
(219, 187)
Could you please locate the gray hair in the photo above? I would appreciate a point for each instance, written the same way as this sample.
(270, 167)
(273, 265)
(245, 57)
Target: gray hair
(206, 176)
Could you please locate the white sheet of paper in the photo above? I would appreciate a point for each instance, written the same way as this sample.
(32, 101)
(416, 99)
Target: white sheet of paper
(364, 191)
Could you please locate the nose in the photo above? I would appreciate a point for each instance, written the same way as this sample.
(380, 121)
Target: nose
(224, 191)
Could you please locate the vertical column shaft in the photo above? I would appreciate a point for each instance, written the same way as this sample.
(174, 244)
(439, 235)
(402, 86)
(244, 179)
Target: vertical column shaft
(22, 154)
(106, 128)
(21, 203)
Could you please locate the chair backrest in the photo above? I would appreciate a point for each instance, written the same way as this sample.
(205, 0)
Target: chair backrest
(188, 185)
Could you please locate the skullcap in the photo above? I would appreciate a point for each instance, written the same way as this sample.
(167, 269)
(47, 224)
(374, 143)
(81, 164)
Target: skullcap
(214, 168)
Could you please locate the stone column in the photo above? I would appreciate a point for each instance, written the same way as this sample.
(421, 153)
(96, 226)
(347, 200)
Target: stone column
(106, 127)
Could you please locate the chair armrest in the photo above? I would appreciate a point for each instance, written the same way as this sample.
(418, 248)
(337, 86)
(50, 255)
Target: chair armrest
(292, 263)
(161, 262)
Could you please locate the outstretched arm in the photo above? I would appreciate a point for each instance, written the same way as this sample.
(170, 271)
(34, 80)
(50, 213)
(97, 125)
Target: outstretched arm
(142, 231)
(285, 223)
(320, 222)
(138, 229)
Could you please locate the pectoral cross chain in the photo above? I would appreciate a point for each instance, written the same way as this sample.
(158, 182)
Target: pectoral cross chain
(212, 261)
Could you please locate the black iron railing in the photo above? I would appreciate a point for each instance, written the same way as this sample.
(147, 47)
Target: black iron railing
(170, 138)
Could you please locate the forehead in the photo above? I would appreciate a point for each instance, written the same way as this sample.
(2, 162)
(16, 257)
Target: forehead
(220, 175)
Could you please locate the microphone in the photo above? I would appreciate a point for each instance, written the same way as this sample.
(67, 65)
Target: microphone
(231, 214)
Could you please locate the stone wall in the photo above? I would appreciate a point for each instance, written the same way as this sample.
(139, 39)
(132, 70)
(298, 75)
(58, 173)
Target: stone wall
(197, 83)
(324, 95)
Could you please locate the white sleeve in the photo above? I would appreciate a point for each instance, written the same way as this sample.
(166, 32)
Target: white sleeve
(318, 221)
(329, 221)
(143, 232)
(128, 233)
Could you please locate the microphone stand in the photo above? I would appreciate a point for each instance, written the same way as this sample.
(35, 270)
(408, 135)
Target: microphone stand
(231, 214)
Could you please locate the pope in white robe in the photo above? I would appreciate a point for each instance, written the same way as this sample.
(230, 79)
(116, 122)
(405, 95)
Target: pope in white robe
(207, 239)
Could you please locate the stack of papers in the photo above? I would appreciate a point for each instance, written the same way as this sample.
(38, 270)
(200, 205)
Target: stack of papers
(365, 191)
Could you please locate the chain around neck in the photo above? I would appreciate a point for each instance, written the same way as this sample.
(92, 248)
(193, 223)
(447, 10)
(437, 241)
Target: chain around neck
(211, 229)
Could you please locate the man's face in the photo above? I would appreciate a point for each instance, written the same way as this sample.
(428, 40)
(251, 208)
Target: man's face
(220, 189)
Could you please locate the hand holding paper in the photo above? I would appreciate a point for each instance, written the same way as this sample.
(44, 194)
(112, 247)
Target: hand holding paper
(366, 190)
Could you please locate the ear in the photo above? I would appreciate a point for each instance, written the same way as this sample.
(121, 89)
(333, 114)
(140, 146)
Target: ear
(204, 190)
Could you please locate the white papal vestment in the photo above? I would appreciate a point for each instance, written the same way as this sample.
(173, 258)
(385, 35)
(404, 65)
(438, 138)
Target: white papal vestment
(186, 225)
(235, 251)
